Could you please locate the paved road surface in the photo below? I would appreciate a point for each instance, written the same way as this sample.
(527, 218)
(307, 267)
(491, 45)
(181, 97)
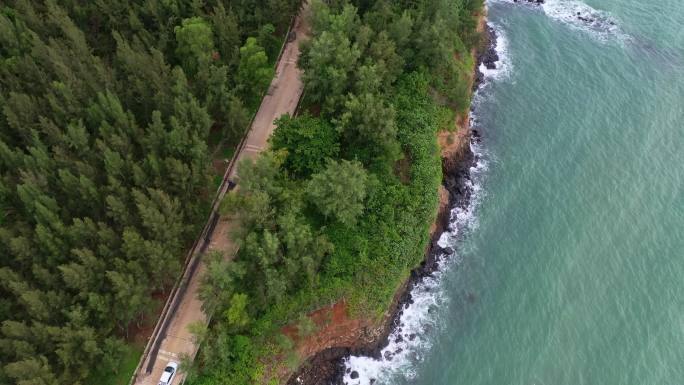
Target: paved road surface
(282, 97)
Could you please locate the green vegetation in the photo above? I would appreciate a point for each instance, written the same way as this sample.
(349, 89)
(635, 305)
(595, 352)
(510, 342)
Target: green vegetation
(107, 111)
(339, 191)
(309, 142)
(106, 108)
(342, 204)
(254, 72)
(128, 361)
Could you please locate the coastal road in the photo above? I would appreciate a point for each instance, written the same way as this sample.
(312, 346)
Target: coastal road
(282, 97)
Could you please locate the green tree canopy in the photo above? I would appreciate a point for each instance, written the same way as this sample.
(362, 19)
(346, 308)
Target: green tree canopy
(369, 127)
(339, 190)
(194, 44)
(280, 251)
(254, 72)
(308, 141)
(237, 314)
(317, 224)
(105, 113)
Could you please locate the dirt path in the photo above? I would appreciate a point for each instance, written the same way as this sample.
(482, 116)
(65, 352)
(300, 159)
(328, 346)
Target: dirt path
(282, 97)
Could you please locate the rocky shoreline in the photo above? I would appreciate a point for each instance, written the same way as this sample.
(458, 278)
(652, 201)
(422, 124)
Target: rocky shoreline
(487, 57)
(327, 366)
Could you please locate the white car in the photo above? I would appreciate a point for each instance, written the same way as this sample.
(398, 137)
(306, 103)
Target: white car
(169, 373)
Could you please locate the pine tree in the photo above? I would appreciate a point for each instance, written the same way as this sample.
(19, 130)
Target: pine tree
(105, 111)
(254, 73)
(195, 44)
(339, 190)
(368, 125)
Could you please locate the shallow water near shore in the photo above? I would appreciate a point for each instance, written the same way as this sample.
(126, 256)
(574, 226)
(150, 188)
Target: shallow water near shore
(569, 262)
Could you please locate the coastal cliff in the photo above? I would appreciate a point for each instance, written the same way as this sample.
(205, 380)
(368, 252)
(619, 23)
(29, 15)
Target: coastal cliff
(346, 336)
(341, 335)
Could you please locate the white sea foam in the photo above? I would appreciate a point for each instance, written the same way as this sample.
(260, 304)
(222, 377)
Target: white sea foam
(581, 16)
(504, 66)
(464, 218)
(408, 342)
(577, 15)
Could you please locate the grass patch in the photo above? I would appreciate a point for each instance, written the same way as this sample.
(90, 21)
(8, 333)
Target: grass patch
(129, 360)
(228, 152)
(218, 179)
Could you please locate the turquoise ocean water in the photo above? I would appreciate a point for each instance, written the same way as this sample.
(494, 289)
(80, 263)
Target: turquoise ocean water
(569, 264)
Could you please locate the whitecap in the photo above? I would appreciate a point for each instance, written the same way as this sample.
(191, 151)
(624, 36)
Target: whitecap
(582, 16)
(577, 15)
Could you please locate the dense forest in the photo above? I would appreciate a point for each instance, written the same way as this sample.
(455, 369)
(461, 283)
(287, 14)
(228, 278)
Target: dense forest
(110, 112)
(341, 205)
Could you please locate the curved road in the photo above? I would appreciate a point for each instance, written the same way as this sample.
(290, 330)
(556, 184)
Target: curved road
(282, 97)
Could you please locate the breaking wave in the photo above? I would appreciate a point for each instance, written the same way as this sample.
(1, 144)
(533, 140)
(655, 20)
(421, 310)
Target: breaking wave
(577, 15)
(504, 66)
